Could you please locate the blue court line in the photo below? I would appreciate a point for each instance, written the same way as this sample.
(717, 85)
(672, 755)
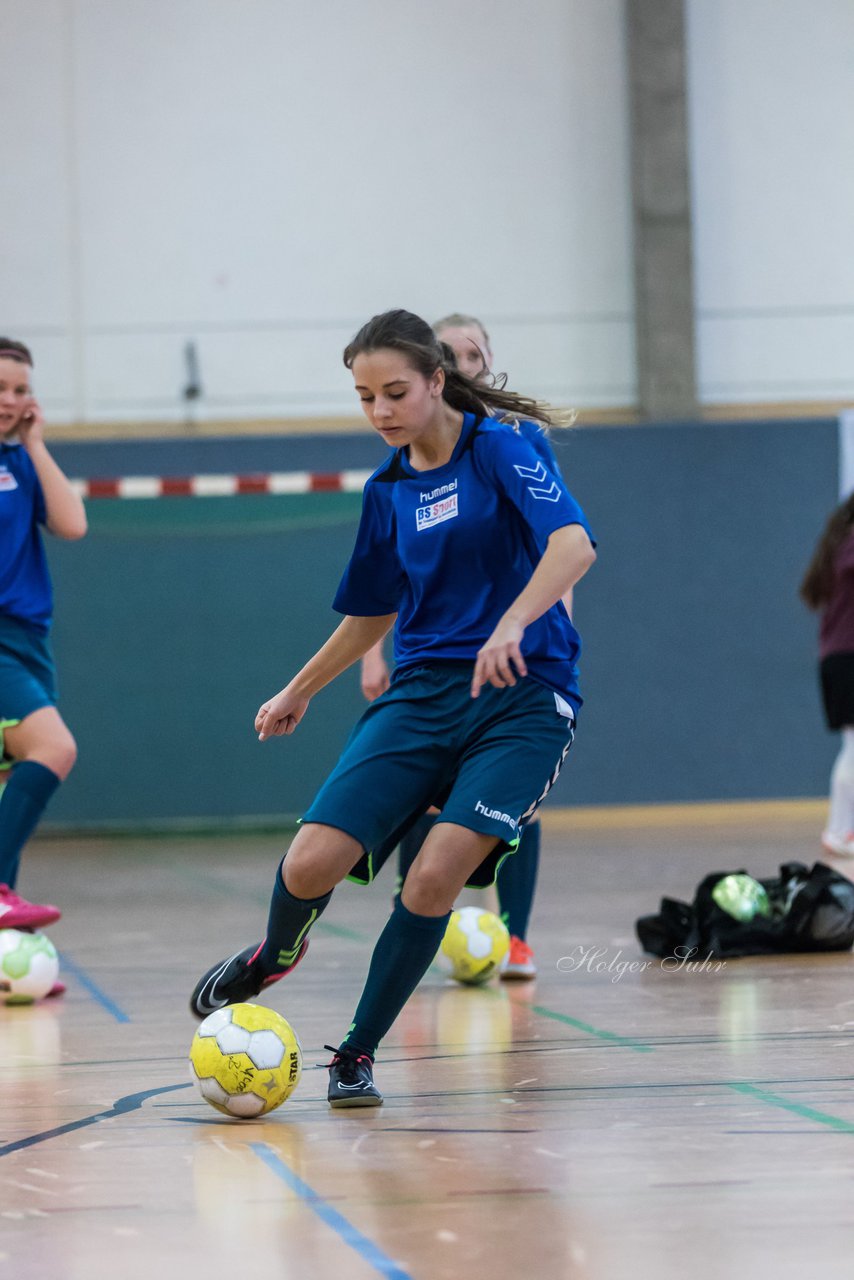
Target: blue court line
(92, 987)
(131, 1102)
(366, 1249)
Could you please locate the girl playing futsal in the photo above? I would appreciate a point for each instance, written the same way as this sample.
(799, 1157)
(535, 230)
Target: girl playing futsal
(37, 748)
(516, 881)
(469, 543)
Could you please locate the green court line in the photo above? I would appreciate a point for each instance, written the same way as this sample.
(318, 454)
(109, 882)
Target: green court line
(599, 1033)
(354, 935)
(805, 1113)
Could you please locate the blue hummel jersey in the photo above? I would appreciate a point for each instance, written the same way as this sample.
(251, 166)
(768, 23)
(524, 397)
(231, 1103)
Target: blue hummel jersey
(448, 550)
(536, 436)
(25, 590)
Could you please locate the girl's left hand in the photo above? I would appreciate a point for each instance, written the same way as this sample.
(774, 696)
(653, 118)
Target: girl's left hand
(499, 656)
(31, 425)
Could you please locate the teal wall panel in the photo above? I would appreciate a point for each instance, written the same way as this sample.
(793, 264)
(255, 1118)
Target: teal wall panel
(177, 617)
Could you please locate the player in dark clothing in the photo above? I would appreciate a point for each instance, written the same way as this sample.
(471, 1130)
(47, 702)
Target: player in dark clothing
(516, 881)
(469, 543)
(828, 587)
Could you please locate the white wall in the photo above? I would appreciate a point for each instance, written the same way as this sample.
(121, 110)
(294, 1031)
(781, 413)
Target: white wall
(262, 176)
(772, 138)
(36, 259)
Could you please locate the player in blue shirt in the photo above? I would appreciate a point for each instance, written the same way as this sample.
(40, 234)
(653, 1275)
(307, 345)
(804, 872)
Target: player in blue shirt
(468, 543)
(36, 746)
(516, 881)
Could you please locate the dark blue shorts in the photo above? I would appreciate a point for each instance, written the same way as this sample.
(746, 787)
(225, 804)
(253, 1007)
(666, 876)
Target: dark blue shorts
(27, 674)
(487, 762)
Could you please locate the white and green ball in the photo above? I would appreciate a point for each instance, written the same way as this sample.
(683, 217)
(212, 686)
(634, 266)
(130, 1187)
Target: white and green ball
(475, 943)
(29, 966)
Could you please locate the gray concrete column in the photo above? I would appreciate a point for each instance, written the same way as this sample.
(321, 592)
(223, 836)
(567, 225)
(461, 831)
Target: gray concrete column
(664, 295)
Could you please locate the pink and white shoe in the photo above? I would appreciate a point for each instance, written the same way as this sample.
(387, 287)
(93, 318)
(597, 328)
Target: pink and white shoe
(17, 913)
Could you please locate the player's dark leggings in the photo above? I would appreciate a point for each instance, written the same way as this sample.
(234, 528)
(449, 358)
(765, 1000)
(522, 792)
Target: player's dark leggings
(401, 957)
(29, 787)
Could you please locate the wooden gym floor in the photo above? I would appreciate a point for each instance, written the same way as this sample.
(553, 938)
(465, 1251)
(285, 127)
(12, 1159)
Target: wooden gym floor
(611, 1121)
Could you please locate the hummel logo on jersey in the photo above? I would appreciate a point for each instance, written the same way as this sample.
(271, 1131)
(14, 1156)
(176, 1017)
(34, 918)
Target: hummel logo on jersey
(440, 492)
(7, 480)
(538, 474)
(480, 807)
(548, 495)
(437, 512)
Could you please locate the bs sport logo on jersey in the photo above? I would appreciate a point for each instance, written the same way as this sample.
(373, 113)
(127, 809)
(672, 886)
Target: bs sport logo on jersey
(442, 504)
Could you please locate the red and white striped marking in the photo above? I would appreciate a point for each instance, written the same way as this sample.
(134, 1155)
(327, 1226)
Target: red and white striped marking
(223, 486)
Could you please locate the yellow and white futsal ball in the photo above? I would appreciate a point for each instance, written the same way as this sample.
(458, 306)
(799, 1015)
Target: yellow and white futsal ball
(475, 942)
(28, 966)
(245, 1060)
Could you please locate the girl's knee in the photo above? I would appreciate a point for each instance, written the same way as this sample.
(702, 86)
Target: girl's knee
(426, 890)
(56, 750)
(318, 859)
(57, 753)
(45, 739)
(297, 869)
(66, 757)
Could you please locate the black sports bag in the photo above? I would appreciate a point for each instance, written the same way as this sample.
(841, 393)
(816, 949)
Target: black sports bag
(810, 910)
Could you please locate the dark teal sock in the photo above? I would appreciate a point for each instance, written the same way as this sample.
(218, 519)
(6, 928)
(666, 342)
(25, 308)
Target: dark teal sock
(411, 844)
(517, 882)
(401, 957)
(23, 801)
(289, 921)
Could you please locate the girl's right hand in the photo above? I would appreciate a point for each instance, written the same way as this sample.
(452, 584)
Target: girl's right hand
(281, 714)
(375, 677)
(499, 661)
(31, 424)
